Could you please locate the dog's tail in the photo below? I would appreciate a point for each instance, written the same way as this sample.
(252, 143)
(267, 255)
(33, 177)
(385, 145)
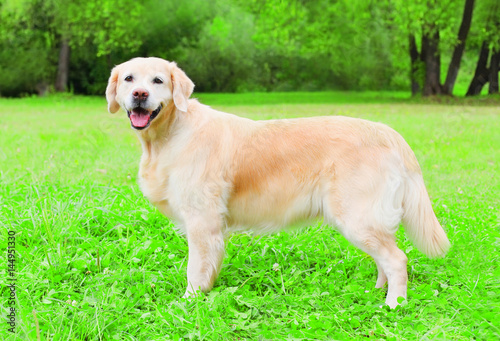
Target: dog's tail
(421, 224)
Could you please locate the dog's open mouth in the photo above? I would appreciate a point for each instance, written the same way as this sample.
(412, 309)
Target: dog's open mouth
(140, 117)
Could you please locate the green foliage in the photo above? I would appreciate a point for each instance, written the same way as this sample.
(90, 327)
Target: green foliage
(32, 31)
(22, 37)
(228, 52)
(486, 23)
(235, 45)
(346, 42)
(97, 262)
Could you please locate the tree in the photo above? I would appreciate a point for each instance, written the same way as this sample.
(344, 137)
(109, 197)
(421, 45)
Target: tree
(24, 41)
(343, 44)
(482, 71)
(431, 55)
(488, 33)
(223, 47)
(416, 64)
(433, 23)
(493, 76)
(49, 29)
(456, 58)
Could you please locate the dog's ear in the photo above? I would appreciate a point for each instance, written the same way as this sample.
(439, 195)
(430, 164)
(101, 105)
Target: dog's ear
(182, 87)
(113, 105)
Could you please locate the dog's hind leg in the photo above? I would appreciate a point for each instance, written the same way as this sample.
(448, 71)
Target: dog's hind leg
(371, 227)
(391, 261)
(206, 252)
(368, 209)
(381, 278)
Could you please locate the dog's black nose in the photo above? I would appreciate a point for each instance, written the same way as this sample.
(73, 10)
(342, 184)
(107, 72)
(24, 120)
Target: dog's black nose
(140, 94)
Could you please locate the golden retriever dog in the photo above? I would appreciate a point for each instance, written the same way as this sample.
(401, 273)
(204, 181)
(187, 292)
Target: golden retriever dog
(215, 173)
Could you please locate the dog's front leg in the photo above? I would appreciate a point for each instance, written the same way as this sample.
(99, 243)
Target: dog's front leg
(206, 252)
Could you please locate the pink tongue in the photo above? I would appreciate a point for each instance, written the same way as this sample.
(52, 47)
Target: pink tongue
(139, 120)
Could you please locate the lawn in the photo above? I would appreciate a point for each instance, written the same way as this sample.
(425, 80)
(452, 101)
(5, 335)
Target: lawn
(95, 261)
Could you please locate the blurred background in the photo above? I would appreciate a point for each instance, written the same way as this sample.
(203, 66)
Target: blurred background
(427, 47)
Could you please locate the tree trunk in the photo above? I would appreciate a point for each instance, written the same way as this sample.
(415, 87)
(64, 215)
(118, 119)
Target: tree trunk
(456, 58)
(415, 66)
(493, 77)
(63, 67)
(42, 88)
(432, 59)
(481, 74)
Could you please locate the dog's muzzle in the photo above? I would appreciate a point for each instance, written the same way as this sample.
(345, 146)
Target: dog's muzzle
(140, 118)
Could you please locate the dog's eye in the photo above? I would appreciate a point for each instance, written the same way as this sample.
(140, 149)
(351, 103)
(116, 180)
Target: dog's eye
(157, 81)
(128, 79)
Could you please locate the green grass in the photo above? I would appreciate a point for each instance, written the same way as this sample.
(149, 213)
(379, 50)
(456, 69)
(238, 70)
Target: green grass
(95, 261)
(320, 97)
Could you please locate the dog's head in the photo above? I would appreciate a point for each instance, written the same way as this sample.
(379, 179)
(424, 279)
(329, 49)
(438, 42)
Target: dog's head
(144, 88)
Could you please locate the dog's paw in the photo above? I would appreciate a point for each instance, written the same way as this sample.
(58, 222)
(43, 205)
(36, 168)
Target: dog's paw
(189, 294)
(393, 303)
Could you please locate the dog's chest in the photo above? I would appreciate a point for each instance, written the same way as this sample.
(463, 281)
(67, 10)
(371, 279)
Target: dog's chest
(153, 182)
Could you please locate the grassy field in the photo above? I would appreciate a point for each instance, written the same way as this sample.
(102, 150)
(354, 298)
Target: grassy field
(95, 261)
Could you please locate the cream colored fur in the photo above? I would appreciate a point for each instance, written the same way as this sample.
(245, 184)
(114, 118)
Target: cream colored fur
(215, 173)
